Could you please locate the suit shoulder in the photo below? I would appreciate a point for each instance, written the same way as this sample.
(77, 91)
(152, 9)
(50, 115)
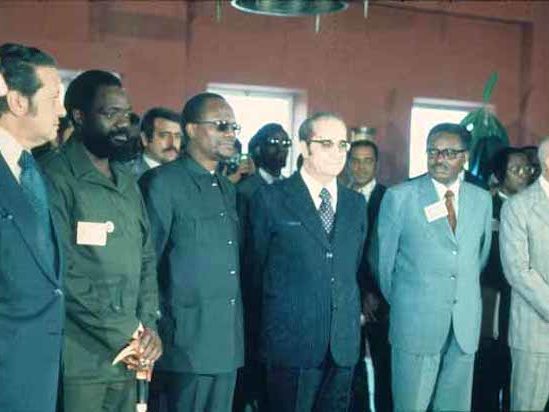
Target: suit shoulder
(248, 186)
(479, 192)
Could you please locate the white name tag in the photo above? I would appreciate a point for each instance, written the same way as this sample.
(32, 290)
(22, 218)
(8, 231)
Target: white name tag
(435, 211)
(93, 233)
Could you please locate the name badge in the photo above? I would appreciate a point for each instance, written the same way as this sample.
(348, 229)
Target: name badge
(435, 211)
(93, 233)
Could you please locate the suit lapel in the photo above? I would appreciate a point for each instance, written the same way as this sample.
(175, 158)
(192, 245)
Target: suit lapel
(428, 196)
(466, 203)
(300, 203)
(343, 218)
(14, 200)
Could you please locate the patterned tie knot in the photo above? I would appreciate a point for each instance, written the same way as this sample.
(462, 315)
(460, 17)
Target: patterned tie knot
(325, 195)
(449, 195)
(26, 161)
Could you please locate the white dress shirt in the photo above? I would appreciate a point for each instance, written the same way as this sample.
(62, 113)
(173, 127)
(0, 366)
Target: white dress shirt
(316, 187)
(367, 189)
(150, 161)
(442, 189)
(269, 178)
(11, 150)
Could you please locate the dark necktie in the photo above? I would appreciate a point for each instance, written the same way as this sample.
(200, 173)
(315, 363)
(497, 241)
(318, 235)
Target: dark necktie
(326, 211)
(449, 195)
(34, 189)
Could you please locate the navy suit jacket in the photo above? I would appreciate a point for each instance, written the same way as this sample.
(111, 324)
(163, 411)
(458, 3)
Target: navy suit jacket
(31, 306)
(308, 283)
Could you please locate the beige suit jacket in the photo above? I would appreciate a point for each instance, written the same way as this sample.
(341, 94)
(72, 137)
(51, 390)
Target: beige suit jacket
(524, 246)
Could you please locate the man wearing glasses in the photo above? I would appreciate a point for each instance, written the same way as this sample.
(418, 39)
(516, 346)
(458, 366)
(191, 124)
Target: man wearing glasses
(195, 227)
(430, 245)
(269, 150)
(307, 237)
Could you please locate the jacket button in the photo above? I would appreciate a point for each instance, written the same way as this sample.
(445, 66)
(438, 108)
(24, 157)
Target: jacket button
(329, 255)
(58, 292)
(232, 272)
(332, 280)
(454, 252)
(230, 242)
(453, 277)
(455, 301)
(232, 302)
(222, 214)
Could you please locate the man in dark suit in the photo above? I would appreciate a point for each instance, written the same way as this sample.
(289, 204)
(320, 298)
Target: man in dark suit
(308, 235)
(195, 227)
(269, 151)
(363, 161)
(31, 300)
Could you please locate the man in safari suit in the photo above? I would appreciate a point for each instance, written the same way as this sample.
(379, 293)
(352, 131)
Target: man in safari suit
(524, 247)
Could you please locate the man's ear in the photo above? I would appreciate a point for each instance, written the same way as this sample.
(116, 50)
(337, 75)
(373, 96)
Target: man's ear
(78, 117)
(18, 104)
(304, 148)
(144, 139)
(190, 129)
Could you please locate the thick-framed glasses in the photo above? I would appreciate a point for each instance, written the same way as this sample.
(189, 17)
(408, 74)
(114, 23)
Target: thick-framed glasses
(328, 144)
(522, 170)
(222, 126)
(275, 141)
(449, 154)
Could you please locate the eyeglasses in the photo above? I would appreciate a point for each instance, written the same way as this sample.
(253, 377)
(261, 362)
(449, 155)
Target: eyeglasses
(449, 154)
(118, 114)
(327, 144)
(522, 170)
(221, 126)
(275, 141)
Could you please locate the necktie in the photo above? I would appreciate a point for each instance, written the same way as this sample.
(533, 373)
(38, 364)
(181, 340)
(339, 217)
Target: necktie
(34, 189)
(449, 195)
(326, 211)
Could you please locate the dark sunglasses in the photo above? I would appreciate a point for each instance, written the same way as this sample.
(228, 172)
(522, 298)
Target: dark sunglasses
(279, 142)
(221, 126)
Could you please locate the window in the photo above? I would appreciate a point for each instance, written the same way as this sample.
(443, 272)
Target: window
(427, 113)
(255, 106)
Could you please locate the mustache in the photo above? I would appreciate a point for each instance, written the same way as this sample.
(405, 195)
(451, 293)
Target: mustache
(169, 149)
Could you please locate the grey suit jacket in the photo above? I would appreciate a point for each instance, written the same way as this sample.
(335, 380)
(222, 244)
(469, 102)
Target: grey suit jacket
(428, 274)
(524, 247)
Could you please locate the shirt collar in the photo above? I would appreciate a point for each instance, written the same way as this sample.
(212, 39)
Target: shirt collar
(269, 178)
(544, 185)
(442, 189)
(367, 189)
(11, 150)
(150, 161)
(315, 187)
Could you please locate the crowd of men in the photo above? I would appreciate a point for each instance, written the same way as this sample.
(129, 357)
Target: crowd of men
(145, 245)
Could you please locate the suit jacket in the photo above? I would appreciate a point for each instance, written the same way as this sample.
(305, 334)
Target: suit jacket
(308, 283)
(428, 274)
(196, 235)
(31, 306)
(374, 203)
(524, 246)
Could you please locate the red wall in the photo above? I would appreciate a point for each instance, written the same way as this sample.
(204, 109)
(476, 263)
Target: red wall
(368, 70)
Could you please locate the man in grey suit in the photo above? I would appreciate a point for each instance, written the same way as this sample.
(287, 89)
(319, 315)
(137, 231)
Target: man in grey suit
(524, 247)
(432, 240)
(31, 300)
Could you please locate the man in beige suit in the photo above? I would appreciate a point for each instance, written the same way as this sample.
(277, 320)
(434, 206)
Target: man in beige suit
(524, 245)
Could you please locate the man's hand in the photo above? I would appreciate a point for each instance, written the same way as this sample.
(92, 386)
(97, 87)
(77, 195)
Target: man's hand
(149, 347)
(370, 307)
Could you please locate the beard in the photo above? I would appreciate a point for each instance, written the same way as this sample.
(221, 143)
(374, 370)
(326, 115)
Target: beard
(111, 145)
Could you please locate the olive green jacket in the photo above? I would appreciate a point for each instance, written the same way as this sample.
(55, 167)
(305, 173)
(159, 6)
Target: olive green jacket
(109, 289)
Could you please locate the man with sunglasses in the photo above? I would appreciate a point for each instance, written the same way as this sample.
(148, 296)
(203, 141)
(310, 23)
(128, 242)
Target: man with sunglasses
(429, 247)
(269, 151)
(524, 249)
(307, 237)
(192, 209)
(492, 375)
